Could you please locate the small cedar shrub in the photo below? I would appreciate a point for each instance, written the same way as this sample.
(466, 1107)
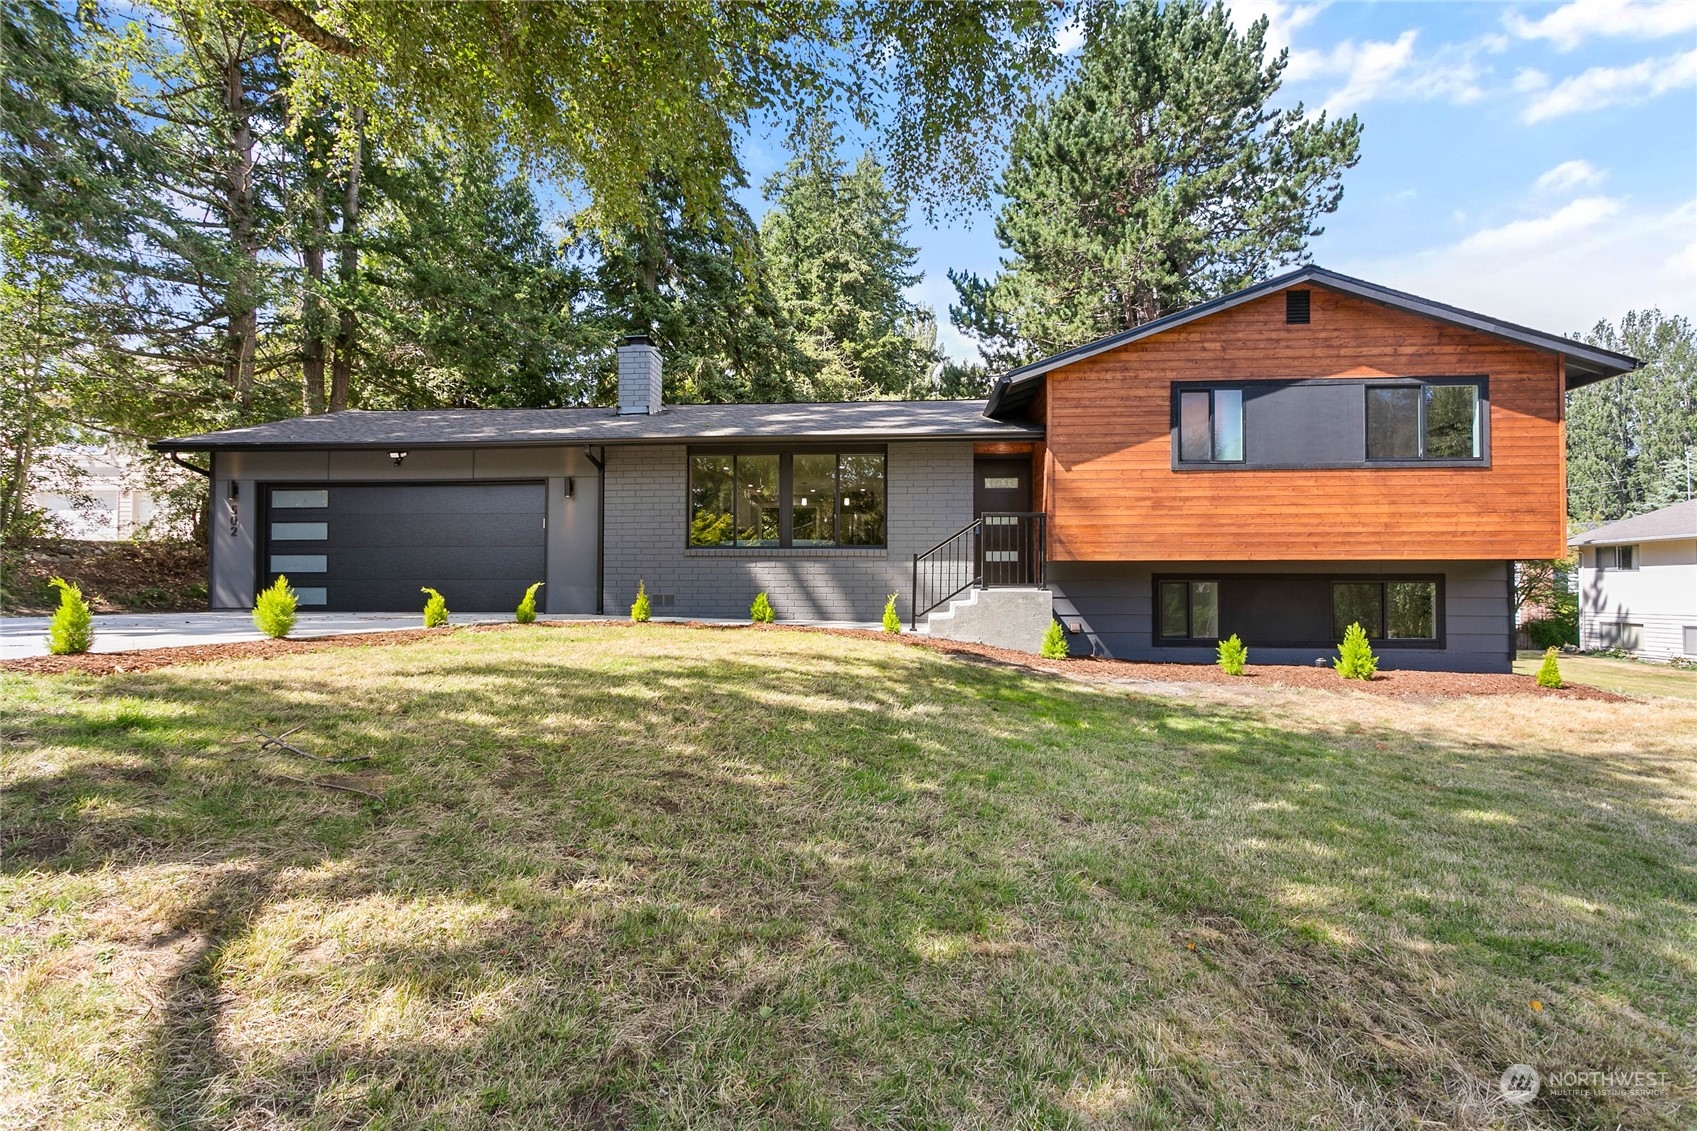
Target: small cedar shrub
(72, 631)
(761, 611)
(1549, 672)
(1055, 643)
(274, 610)
(1234, 655)
(640, 609)
(1355, 656)
(435, 609)
(892, 623)
(526, 612)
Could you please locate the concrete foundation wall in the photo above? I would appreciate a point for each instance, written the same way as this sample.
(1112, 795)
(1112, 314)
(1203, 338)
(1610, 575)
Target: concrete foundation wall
(929, 487)
(571, 521)
(1113, 605)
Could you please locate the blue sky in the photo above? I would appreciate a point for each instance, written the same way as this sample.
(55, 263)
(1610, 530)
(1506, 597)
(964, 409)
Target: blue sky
(1536, 162)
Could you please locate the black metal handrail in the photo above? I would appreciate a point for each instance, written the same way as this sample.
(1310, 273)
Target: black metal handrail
(1005, 549)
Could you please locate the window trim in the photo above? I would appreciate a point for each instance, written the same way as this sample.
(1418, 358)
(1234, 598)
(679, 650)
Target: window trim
(786, 546)
(1481, 462)
(1440, 643)
(1481, 414)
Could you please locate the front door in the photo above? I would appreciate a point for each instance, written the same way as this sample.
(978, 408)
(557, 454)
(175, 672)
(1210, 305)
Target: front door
(1001, 488)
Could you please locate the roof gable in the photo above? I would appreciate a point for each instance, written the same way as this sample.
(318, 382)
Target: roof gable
(1584, 363)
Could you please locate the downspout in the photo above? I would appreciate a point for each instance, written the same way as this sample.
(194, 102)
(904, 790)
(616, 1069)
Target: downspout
(600, 526)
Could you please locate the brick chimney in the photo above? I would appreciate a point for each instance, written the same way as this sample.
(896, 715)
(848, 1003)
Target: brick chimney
(639, 377)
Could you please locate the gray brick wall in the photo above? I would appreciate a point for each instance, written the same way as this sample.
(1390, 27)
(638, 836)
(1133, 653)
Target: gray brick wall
(929, 498)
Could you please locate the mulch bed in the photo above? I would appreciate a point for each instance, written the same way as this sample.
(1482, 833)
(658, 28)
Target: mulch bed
(1398, 684)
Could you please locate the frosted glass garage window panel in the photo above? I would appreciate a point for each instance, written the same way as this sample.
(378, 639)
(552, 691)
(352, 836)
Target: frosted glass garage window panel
(312, 595)
(300, 563)
(299, 531)
(299, 500)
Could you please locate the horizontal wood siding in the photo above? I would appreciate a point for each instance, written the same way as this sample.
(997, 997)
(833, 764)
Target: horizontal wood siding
(1113, 494)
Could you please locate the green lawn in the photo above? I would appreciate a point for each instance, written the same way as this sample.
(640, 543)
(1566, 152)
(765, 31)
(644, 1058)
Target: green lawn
(661, 877)
(1629, 677)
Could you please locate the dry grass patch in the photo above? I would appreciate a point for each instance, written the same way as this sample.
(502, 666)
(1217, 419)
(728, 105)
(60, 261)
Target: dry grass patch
(663, 879)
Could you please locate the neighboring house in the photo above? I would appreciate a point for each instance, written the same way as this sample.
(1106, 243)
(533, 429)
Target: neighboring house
(1309, 452)
(106, 505)
(1638, 584)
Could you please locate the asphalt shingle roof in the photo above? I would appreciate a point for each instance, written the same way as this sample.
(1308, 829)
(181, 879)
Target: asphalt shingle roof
(1665, 525)
(505, 427)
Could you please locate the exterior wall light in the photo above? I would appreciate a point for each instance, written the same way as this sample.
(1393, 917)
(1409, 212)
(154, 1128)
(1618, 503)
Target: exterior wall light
(397, 457)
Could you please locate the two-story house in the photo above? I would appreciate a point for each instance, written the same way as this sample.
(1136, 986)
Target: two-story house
(1278, 463)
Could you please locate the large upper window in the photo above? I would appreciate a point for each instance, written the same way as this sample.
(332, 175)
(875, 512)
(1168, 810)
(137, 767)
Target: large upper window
(1425, 421)
(799, 499)
(1210, 426)
(1386, 610)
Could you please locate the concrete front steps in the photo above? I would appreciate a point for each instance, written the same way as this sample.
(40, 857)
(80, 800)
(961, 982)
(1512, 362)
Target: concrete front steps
(1001, 618)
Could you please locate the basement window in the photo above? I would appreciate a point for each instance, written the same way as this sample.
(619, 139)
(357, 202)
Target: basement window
(1190, 610)
(1386, 610)
(804, 499)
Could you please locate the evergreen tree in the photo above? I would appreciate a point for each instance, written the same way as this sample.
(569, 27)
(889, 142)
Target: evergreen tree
(836, 252)
(698, 287)
(1632, 440)
(465, 300)
(1156, 178)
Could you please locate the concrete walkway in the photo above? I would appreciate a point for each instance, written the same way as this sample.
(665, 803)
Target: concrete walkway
(123, 632)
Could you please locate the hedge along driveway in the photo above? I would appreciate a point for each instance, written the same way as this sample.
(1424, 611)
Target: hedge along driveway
(659, 878)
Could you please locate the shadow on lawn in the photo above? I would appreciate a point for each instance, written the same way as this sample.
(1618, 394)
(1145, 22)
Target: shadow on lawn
(749, 888)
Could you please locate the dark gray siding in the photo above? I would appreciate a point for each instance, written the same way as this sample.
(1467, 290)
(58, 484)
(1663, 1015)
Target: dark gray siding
(1113, 603)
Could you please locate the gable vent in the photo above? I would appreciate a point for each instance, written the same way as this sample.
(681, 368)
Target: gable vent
(1296, 308)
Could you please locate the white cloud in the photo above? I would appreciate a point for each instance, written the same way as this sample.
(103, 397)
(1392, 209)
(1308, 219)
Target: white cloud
(1283, 20)
(1610, 86)
(1569, 175)
(1070, 37)
(1571, 24)
(1529, 235)
(1590, 259)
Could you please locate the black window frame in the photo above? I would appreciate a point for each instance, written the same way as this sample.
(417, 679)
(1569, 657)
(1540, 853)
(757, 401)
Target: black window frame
(1189, 611)
(1252, 388)
(1378, 638)
(1481, 414)
(786, 454)
(1213, 390)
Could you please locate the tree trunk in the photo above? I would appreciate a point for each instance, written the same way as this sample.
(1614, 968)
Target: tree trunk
(347, 328)
(312, 308)
(241, 335)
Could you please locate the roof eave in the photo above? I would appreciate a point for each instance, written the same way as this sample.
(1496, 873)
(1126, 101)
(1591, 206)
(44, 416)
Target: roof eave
(1584, 365)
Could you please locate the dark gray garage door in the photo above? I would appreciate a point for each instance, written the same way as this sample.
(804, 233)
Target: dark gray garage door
(370, 547)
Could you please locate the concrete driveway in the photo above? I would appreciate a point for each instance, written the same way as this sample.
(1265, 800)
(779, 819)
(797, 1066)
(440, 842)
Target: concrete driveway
(122, 632)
